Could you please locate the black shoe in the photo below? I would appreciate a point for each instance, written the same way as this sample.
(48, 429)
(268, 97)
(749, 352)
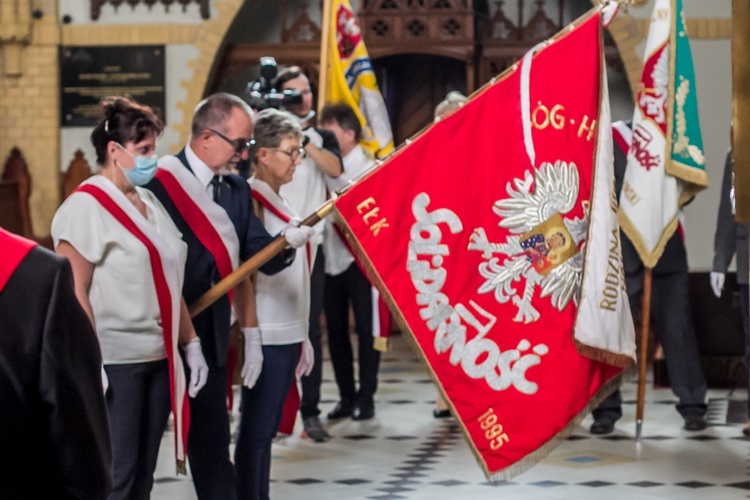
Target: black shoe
(602, 425)
(441, 413)
(363, 411)
(695, 422)
(314, 429)
(343, 409)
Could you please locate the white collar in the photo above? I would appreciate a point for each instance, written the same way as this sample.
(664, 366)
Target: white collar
(274, 198)
(304, 121)
(202, 171)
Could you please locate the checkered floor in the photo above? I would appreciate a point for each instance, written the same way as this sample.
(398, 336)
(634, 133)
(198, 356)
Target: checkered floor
(405, 453)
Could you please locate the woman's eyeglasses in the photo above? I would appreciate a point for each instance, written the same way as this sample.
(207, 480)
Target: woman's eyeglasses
(293, 154)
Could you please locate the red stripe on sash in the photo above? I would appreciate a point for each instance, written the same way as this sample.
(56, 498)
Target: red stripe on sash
(163, 295)
(621, 139)
(284, 217)
(13, 249)
(198, 223)
(289, 413)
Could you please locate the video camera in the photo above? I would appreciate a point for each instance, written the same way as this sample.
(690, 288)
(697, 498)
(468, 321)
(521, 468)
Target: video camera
(261, 93)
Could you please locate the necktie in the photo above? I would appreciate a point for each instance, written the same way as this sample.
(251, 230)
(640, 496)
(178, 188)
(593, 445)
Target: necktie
(215, 182)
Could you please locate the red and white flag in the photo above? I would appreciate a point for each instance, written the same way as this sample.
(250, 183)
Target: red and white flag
(666, 166)
(493, 237)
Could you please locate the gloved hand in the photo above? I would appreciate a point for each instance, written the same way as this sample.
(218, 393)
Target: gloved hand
(198, 367)
(306, 359)
(105, 381)
(717, 283)
(253, 356)
(298, 236)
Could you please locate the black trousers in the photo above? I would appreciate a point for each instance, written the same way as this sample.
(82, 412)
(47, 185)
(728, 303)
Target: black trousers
(138, 408)
(310, 397)
(670, 312)
(208, 439)
(351, 287)
(262, 409)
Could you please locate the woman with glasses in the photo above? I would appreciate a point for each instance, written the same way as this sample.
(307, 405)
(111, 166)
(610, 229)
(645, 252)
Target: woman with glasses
(282, 303)
(128, 265)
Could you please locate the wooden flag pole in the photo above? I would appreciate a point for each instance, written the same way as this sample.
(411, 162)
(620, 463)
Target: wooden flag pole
(252, 264)
(323, 71)
(643, 353)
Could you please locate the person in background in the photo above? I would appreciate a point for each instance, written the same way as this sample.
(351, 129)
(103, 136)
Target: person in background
(670, 311)
(307, 192)
(212, 208)
(128, 264)
(345, 284)
(53, 423)
(282, 305)
(731, 239)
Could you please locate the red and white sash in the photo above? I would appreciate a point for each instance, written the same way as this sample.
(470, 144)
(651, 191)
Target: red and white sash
(13, 249)
(623, 135)
(272, 202)
(166, 268)
(207, 219)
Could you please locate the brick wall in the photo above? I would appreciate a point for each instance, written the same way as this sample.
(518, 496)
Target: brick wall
(29, 99)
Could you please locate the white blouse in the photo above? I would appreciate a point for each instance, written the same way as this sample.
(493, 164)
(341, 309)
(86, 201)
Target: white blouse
(338, 257)
(122, 292)
(282, 300)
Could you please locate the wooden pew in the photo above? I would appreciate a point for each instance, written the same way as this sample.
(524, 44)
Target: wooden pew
(77, 172)
(15, 189)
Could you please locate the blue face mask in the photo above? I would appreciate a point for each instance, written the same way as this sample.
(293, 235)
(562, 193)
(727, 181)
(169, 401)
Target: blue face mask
(144, 169)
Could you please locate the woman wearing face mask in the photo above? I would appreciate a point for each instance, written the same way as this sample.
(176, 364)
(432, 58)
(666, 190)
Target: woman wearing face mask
(128, 263)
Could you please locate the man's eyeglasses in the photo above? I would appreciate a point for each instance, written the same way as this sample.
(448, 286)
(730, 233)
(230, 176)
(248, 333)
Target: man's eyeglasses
(240, 145)
(293, 154)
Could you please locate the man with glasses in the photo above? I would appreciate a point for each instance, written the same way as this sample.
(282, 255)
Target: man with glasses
(307, 192)
(213, 209)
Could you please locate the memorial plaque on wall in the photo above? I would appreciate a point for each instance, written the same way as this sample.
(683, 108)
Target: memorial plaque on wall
(87, 74)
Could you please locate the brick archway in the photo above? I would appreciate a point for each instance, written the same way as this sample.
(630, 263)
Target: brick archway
(209, 41)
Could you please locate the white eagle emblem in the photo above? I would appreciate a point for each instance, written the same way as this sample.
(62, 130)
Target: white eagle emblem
(531, 203)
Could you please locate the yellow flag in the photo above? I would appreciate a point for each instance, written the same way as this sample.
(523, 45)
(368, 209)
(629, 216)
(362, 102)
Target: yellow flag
(350, 79)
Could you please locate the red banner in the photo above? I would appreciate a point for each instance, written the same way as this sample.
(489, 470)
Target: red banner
(477, 245)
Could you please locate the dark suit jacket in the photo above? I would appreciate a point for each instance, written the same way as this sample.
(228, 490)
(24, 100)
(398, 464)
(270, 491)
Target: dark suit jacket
(674, 258)
(54, 434)
(730, 236)
(212, 325)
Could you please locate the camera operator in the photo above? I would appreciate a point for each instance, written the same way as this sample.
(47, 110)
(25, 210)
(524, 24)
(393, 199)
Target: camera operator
(306, 192)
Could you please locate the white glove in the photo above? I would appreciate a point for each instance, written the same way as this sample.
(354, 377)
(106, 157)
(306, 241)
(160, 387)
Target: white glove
(717, 283)
(306, 359)
(253, 356)
(105, 380)
(298, 236)
(198, 367)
